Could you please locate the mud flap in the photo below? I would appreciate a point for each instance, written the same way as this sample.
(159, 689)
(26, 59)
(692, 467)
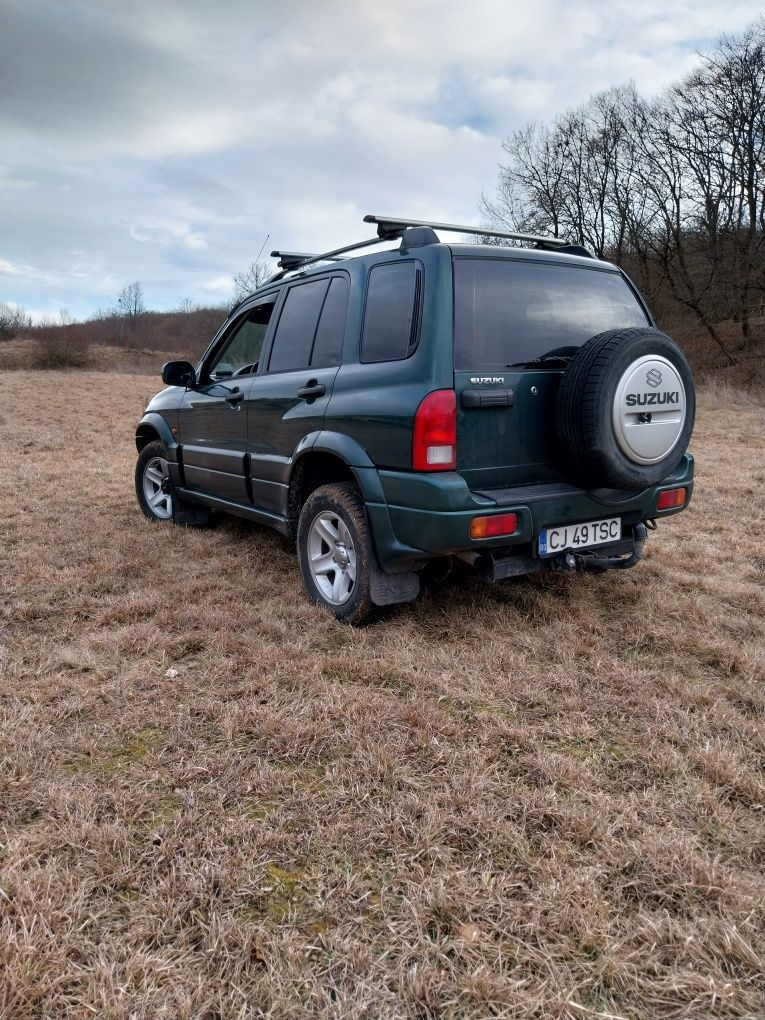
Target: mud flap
(391, 589)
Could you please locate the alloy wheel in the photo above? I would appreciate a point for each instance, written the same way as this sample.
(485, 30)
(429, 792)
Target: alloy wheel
(332, 557)
(156, 488)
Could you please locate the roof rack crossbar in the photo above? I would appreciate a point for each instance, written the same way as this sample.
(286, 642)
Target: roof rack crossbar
(290, 259)
(389, 227)
(331, 256)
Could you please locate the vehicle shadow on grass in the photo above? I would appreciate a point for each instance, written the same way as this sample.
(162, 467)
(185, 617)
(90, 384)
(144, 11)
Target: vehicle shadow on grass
(451, 588)
(457, 584)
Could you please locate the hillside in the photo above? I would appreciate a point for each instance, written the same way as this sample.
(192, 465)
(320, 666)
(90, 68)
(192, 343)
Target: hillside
(108, 345)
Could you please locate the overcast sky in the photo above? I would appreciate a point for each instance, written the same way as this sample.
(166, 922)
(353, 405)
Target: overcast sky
(159, 141)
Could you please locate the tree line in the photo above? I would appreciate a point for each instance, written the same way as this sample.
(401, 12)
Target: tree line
(672, 188)
(129, 309)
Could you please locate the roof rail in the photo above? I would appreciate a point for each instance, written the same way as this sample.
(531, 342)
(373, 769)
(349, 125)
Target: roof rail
(390, 227)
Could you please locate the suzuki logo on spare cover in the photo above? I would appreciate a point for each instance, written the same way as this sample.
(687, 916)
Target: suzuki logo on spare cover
(656, 396)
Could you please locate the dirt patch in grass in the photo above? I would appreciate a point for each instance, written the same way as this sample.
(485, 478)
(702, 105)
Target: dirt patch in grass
(543, 798)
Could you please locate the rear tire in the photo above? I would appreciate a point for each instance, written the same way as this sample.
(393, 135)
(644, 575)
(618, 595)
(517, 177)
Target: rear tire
(334, 552)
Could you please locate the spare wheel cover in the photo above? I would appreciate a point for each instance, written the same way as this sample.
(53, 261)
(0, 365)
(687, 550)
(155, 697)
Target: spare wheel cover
(649, 410)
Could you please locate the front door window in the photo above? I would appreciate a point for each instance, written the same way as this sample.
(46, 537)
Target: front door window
(241, 351)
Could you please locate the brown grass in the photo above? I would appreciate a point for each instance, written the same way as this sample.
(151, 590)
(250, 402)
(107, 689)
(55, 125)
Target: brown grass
(540, 799)
(26, 354)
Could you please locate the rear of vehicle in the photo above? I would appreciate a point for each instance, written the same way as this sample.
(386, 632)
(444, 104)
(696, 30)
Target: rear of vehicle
(564, 432)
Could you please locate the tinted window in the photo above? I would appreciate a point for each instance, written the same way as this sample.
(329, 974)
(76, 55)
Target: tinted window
(243, 348)
(328, 344)
(507, 311)
(297, 327)
(389, 318)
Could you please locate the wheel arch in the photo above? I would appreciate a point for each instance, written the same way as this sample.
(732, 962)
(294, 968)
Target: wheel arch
(154, 427)
(333, 457)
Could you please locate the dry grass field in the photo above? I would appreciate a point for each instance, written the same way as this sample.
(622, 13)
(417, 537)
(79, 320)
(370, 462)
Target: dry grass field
(540, 799)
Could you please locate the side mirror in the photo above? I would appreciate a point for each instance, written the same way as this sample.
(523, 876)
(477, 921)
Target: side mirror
(178, 373)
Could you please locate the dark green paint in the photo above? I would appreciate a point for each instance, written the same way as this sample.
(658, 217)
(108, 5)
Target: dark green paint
(243, 461)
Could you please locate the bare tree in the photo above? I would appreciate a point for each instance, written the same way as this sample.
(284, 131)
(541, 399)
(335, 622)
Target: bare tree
(130, 304)
(251, 278)
(674, 188)
(530, 195)
(13, 320)
(732, 81)
(675, 240)
(572, 178)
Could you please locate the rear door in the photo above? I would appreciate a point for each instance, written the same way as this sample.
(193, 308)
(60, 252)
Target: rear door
(517, 323)
(288, 401)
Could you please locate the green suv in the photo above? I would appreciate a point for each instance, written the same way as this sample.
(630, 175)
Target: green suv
(514, 407)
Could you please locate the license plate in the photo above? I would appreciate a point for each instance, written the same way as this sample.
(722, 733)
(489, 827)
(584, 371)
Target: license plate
(579, 536)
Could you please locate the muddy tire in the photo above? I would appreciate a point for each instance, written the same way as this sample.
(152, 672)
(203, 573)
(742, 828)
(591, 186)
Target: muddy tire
(334, 552)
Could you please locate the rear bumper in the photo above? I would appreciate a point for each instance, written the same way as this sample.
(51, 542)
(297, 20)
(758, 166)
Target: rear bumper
(429, 515)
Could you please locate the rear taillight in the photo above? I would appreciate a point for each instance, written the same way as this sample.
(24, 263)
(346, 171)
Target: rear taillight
(492, 527)
(670, 499)
(434, 446)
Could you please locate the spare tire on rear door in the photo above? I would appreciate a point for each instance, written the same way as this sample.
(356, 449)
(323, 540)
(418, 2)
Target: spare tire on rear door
(625, 409)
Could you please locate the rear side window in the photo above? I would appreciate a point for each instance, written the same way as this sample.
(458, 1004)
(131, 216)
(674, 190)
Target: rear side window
(390, 317)
(296, 329)
(328, 345)
(508, 311)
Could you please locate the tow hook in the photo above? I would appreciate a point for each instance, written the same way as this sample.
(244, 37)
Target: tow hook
(619, 556)
(564, 562)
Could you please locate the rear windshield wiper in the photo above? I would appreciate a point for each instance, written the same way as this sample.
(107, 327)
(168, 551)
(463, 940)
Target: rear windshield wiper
(548, 360)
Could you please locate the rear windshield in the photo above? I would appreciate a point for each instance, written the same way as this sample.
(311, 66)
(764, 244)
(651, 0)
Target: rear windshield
(508, 312)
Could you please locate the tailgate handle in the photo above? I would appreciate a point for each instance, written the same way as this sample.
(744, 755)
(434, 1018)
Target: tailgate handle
(487, 398)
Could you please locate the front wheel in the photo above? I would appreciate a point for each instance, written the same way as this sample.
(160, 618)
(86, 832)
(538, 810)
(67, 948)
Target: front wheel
(152, 483)
(155, 493)
(334, 552)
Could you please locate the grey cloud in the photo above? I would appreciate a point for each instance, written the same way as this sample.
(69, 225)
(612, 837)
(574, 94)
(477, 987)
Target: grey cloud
(163, 141)
(69, 69)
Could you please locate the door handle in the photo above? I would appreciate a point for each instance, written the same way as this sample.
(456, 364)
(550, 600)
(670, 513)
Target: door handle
(235, 396)
(312, 390)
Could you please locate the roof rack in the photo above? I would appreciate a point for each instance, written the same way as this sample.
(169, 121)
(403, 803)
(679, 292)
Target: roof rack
(328, 256)
(413, 233)
(292, 259)
(389, 227)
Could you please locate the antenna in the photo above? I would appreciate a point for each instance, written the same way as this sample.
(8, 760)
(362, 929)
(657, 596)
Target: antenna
(265, 242)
